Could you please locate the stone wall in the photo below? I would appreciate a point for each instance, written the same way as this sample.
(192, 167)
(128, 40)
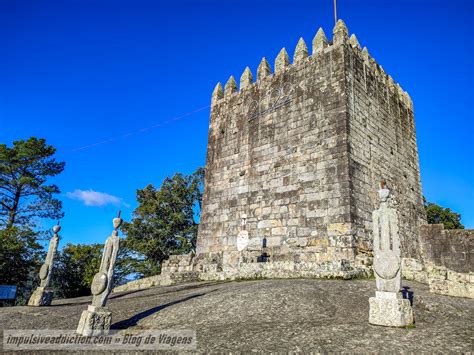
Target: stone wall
(190, 267)
(382, 145)
(177, 269)
(299, 153)
(448, 260)
(277, 153)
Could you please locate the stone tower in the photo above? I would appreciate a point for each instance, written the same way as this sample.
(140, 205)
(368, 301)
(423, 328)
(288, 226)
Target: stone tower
(298, 155)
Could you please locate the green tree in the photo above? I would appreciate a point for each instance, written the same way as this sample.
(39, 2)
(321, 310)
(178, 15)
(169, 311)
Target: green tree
(76, 265)
(20, 258)
(439, 215)
(24, 192)
(164, 222)
(25, 197)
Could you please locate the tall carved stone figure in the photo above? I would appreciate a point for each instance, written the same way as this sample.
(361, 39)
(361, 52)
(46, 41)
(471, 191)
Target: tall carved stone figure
(97, 318)
(43, 295)
(387, 308)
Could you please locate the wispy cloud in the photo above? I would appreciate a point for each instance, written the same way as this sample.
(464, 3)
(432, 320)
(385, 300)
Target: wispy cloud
(95, 198)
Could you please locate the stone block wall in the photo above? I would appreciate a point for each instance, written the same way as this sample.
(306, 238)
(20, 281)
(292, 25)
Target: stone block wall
(448, 259)
(299, 154)
(277, 153)
(382, 145)
(177, 269)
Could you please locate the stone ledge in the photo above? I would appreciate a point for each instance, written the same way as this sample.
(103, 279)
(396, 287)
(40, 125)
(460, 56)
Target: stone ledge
(212, 270)
(441, 279)
(186, 268)
(157, 280)
(413, 269)
(447, 282)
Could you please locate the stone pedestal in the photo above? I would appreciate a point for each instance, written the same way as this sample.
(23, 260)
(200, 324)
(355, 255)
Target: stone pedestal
(390, 310)
(42, 296)
(95, 321)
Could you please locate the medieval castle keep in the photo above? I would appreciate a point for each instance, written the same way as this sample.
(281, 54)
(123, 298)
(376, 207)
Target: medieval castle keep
(294, 163)
(296, 158)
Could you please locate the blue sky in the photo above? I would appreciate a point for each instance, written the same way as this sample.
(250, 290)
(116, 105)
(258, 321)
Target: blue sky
(81, 72)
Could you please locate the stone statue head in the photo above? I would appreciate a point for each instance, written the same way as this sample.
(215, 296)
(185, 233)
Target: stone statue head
(56, 228)
(117, 221)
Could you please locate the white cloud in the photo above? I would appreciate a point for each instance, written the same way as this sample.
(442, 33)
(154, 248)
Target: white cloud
(95, 198)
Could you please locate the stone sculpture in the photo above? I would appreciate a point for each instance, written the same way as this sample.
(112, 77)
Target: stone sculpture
(243, 236)
(43, 295)
(97, 318)
(387, 308)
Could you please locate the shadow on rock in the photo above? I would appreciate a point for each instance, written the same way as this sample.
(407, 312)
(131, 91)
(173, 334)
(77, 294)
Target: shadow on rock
(123, 294)
(132, 321)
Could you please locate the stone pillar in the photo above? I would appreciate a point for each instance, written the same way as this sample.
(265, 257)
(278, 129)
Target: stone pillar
(43, 295)
(97, 318)
(387, 308)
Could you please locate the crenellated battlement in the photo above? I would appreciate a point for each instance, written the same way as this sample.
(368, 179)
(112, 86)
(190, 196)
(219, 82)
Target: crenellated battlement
(301, 55)
(295, 154)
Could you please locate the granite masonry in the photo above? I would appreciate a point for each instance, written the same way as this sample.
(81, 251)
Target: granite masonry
(447, 259)
(299, 153)
(293, 162)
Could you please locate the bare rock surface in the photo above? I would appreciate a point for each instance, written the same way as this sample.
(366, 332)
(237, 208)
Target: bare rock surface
(272, 315)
